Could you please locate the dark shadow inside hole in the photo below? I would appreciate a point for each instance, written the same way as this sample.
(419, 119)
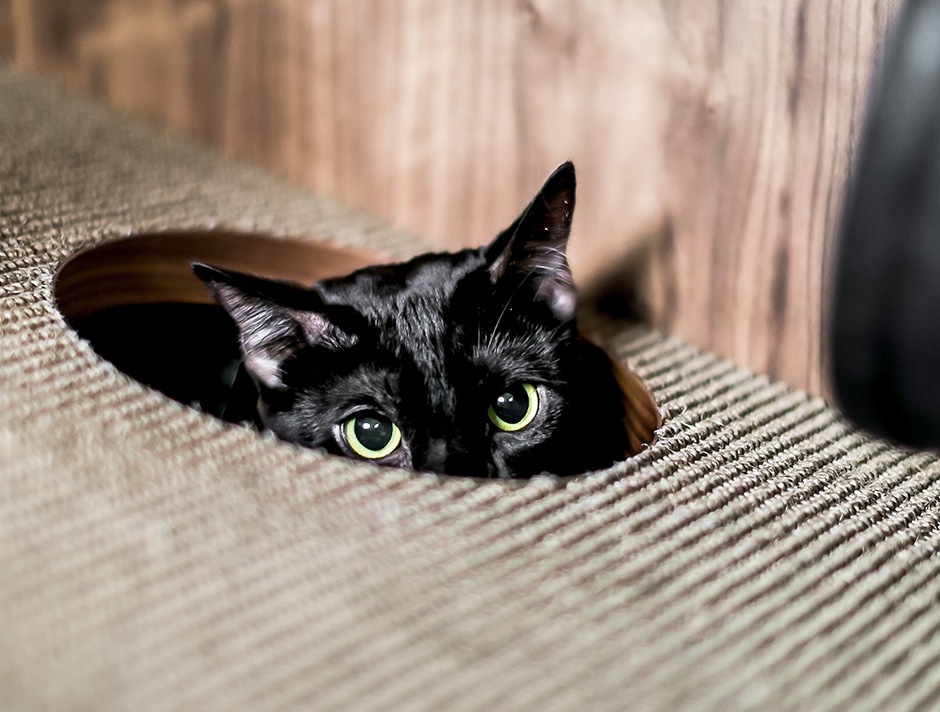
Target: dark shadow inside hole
(138, 303)
(189, 352)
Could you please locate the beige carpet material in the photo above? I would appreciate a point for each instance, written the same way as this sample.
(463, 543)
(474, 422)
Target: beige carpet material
(761, 555)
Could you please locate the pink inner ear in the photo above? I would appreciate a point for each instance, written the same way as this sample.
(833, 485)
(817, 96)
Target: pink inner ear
(548, 267)
(265, 368)
(498, 267)
(318, 330)
(314, 325)
(562, 299)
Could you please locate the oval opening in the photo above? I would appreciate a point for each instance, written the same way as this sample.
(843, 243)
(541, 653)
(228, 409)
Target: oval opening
(138, 303)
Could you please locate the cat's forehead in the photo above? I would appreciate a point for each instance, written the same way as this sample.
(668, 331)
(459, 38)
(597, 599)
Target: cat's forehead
(431, 279)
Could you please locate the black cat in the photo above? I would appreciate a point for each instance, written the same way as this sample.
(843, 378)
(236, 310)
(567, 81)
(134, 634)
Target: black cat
(466, 363)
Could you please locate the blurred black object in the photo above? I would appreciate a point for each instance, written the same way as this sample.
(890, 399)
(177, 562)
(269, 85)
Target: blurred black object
(885, 318)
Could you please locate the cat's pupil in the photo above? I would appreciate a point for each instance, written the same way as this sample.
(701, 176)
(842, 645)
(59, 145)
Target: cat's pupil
(373, 432)
(512, 405)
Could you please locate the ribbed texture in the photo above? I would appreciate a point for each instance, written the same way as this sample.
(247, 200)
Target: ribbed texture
(762, 555)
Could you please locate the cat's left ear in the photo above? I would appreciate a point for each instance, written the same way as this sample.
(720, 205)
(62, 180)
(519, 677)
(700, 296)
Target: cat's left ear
(275, 319)
(534, 247)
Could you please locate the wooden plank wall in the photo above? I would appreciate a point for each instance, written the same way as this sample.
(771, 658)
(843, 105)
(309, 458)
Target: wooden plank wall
(712, 137)
(6, 30)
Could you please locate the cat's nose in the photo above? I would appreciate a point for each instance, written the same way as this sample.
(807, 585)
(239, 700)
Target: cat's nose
(444, 458)
(434, 456)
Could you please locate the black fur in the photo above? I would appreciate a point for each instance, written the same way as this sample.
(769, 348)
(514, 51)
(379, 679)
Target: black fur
(429, 344)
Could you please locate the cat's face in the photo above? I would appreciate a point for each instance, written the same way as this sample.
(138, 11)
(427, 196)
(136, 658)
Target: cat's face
(467, 363)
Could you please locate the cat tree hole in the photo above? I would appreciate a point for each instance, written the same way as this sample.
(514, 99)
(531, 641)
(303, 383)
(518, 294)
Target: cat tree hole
(138, 304)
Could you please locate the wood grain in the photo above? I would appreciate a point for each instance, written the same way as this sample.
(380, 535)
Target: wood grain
(6, 30)
(712, 137)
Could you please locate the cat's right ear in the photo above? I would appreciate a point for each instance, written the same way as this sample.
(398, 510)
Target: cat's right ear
(275, 319)
(533, 248)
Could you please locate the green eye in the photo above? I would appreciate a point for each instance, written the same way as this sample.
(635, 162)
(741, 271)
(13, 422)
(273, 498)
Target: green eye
(371, 436)
(515, 408)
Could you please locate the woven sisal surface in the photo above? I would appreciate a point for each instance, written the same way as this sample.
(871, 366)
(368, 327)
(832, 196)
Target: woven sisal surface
(762, 555)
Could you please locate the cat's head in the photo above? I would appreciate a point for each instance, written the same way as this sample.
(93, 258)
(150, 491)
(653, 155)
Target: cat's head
(465, 363)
